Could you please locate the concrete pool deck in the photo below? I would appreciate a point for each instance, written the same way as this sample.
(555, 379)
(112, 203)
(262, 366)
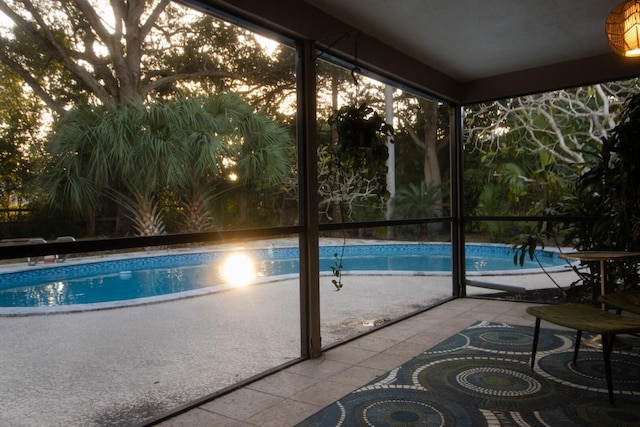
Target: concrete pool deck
(118, 367)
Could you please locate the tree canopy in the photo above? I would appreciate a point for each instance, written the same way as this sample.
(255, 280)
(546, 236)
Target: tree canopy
(530, 148)
(80, 51)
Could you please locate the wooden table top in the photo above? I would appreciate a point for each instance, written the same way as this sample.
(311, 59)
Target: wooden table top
(599, 255)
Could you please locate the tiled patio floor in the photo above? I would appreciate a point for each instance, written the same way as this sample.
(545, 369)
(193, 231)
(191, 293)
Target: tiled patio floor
(289, 396)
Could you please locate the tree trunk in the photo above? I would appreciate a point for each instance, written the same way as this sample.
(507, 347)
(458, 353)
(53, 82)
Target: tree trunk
(391, 160)
(432, 173)
(336, 207)
(429, 143)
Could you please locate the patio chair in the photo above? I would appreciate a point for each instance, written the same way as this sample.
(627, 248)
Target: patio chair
(35, 240)
(582, 317)
(54, 258)
(63, 257)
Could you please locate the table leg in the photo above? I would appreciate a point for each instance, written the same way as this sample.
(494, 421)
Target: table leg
(603, 278)
(596, 340)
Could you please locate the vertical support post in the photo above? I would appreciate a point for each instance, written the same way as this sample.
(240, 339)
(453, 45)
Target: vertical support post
(456, 130)
(311, 346)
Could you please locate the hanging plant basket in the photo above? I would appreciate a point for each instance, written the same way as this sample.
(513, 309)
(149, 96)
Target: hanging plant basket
(362, 134)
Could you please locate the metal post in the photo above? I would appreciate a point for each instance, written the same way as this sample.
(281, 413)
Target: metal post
(456, 129)
(311, 345)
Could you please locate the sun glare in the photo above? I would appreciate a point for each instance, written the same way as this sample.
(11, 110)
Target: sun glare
(269, 46)
(238, 270)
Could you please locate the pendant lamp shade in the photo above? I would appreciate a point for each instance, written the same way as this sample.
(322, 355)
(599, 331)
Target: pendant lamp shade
(623, 28)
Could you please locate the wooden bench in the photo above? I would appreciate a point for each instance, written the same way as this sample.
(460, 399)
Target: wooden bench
(582, 317)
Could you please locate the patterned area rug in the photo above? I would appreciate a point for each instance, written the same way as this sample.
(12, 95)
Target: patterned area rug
(481, 377)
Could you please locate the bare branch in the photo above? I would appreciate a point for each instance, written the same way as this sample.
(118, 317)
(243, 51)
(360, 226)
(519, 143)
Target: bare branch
(154, 85)
(414, 137)
(51, 46)
(33, 84)
(153, 17)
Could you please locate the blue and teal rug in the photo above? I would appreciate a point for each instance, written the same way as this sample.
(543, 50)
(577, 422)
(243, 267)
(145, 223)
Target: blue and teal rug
(481, 377)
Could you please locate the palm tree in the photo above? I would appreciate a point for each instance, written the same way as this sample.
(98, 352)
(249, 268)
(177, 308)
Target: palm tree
(418, 201)
(248, 145)
(135, 153)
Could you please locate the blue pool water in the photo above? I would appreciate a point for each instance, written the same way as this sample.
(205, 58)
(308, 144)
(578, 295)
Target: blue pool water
(154, 276)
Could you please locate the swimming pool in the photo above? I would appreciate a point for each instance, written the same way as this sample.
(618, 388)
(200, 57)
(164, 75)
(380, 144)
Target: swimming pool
(154, 278)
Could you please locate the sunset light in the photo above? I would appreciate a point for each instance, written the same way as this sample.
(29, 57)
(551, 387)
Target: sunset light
(238, 270)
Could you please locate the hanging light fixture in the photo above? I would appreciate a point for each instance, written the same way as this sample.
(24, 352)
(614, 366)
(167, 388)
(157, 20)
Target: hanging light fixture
(623, 28)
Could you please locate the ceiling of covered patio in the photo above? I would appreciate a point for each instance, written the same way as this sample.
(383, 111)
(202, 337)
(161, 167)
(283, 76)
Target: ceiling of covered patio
(463, 51)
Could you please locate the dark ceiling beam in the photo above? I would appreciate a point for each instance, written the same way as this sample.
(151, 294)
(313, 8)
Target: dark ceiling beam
(564, 75)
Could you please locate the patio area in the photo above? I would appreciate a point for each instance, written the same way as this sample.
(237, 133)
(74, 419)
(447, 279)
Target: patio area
(291, 395)
(123, 366)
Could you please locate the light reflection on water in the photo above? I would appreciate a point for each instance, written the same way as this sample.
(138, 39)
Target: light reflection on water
(240, 271)
(479, 264)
